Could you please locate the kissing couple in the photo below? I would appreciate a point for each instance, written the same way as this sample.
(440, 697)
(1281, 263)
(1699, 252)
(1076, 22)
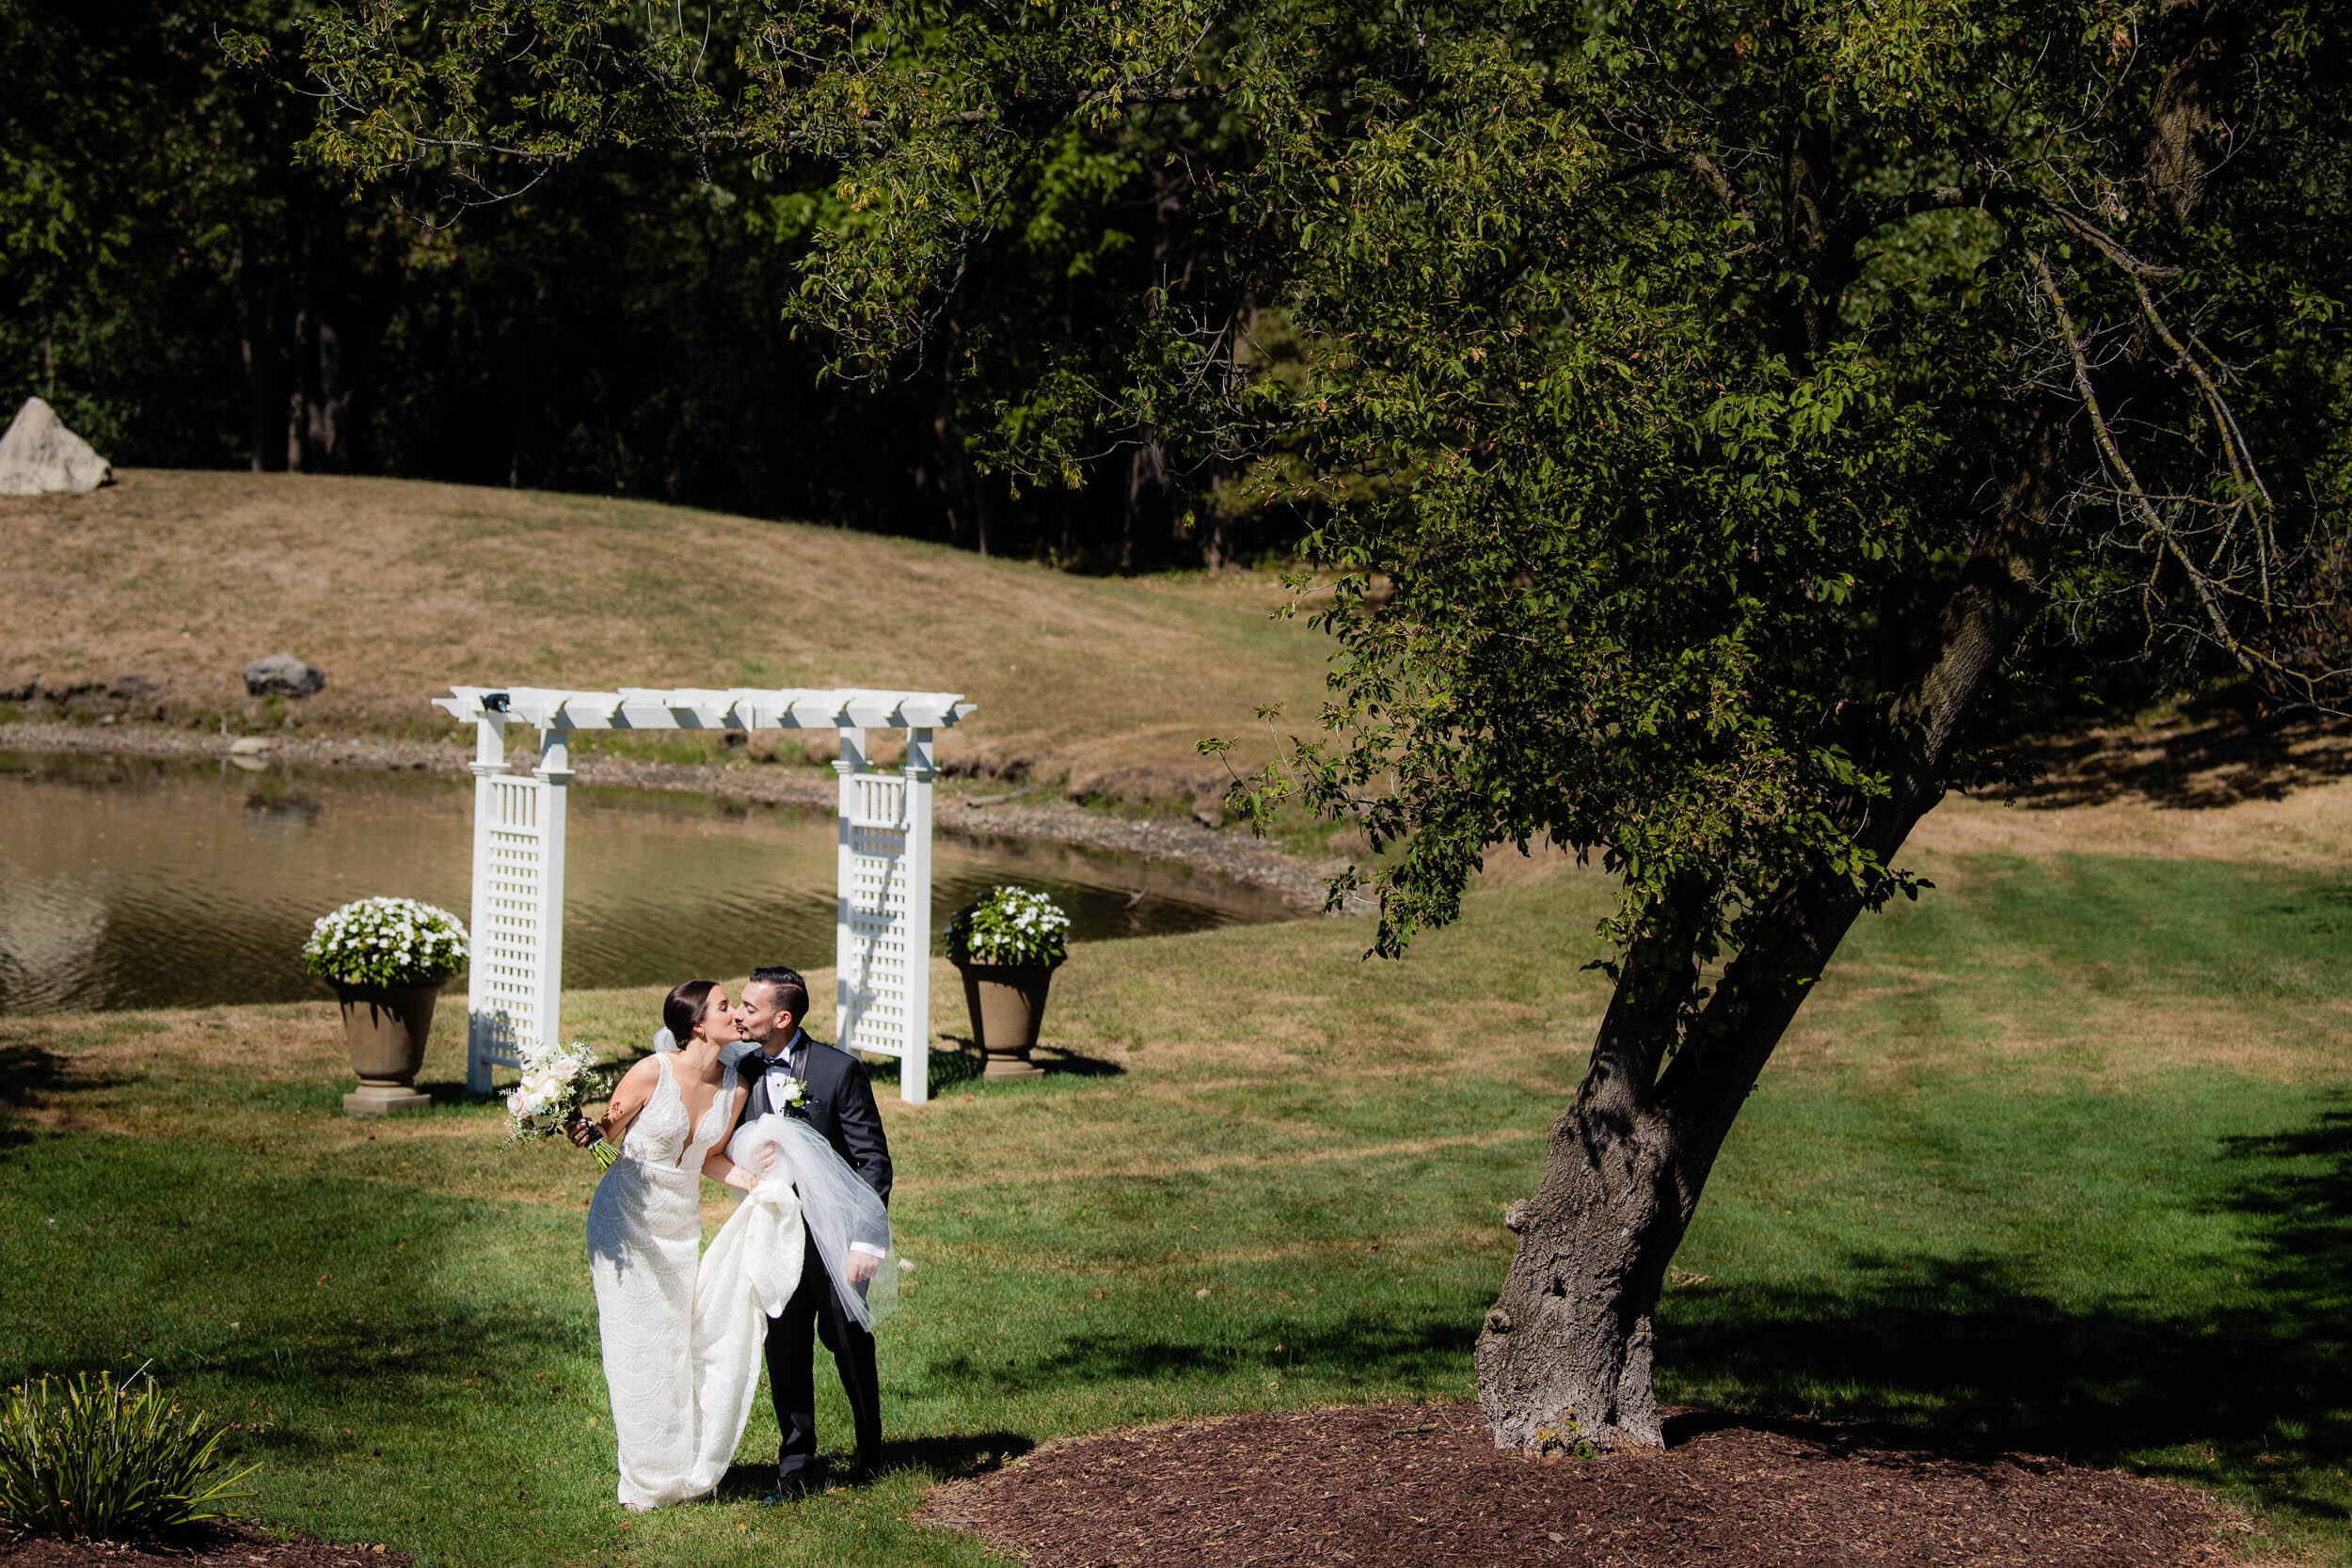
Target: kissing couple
(742, 1096)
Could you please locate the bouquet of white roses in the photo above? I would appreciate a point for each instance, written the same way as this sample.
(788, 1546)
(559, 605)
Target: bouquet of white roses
(386, 941)
(556, 1083)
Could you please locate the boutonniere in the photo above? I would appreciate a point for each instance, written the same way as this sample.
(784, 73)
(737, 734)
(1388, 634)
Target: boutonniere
(792, 1097)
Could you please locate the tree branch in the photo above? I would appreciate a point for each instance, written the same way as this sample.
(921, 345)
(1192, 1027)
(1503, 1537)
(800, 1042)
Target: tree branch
(2112, 455)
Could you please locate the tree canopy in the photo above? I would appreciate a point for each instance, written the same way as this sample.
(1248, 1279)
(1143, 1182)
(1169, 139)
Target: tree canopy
(1717, 425)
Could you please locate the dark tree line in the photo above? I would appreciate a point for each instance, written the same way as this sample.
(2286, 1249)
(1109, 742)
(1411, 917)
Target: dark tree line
(189, 292)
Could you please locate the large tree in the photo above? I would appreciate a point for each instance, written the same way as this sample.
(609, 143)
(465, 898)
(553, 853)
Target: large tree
(1717, 420)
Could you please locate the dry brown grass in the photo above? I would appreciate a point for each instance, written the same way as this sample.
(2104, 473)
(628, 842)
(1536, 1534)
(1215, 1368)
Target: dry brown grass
(397, 589)
(2309, 826)
(2293, 815)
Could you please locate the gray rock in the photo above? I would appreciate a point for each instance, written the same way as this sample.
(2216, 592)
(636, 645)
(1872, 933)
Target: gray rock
(39, 456)
(283, 675)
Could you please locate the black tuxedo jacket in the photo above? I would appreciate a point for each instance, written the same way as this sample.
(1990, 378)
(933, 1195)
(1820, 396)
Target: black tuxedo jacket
(840, 1107)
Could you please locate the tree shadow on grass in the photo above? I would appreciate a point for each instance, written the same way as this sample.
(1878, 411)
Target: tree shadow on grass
(953, 1069)
(966, 1454)
(29, 1075)
(962, 1068)
(2220, 752)
(1062, 1059)
(940, 1457)
(25, 1071)
(1434, 1345)
(2253, 1388)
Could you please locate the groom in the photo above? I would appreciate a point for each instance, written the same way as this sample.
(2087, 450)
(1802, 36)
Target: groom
(841, 1108)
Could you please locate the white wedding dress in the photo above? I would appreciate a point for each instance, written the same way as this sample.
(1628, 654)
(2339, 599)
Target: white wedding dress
(683, 1337)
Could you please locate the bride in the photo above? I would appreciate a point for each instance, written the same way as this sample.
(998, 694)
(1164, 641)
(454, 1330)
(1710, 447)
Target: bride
(680, 1371)
(684, 1339)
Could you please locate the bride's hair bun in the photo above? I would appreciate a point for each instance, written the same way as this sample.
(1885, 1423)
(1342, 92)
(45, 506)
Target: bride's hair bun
(684, 1007)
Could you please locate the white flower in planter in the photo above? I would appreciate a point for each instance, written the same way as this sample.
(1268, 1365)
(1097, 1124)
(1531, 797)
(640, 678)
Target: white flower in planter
(386, 941)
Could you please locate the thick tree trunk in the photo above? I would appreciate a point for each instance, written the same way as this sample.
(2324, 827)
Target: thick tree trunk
(1565, 1353)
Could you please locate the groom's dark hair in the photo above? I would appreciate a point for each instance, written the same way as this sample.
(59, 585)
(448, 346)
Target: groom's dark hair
(792, 990)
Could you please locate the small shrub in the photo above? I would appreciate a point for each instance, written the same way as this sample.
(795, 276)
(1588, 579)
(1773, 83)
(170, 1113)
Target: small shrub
(86, 1460)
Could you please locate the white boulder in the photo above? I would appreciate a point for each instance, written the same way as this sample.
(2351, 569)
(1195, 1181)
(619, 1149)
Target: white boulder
(40, 456)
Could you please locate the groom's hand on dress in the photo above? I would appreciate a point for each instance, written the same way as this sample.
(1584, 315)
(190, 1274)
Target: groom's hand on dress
(861, 1267)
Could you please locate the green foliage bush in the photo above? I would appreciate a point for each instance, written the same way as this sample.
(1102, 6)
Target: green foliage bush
(87, 1460)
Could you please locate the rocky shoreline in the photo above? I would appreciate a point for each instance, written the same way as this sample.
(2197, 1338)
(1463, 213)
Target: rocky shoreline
(983, 812)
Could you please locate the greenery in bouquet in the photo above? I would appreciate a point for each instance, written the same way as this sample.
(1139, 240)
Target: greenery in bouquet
(386, 941)
(1010, 925)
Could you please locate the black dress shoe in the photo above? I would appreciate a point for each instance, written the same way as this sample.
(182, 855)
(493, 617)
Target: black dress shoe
(790, 1490)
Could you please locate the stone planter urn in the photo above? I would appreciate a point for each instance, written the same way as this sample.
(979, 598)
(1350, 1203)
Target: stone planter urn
(1006, 1002)
(385, 1029)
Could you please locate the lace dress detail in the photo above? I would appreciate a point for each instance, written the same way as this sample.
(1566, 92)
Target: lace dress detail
(645, 1229)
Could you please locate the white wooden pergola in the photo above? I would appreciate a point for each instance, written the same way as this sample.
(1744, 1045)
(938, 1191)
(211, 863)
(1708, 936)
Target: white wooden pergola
(882, 931)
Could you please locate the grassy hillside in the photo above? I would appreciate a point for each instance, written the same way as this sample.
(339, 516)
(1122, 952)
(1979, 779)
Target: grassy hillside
(2057, 1159)
(398, 589)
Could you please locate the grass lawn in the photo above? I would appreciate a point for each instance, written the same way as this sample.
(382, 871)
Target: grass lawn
(400, 588)
(2061, 1159)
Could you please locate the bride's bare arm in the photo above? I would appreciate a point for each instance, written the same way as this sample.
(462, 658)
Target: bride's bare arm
(718, 1167)
(628, 1097)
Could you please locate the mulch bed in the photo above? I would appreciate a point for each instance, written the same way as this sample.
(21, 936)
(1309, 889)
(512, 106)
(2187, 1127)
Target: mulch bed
(235, 1546)
(1416, 1487)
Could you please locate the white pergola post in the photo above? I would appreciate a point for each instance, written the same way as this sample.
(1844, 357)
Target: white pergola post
(517, 972)
(881, 924)
(882, 942)
(914, 1069)
(483, 1045)
(555, 779)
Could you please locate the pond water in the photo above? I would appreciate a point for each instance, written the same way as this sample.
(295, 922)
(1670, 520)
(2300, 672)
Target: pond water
(130, 883)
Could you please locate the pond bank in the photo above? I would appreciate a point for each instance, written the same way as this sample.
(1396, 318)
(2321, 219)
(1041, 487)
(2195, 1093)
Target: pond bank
(985, 814)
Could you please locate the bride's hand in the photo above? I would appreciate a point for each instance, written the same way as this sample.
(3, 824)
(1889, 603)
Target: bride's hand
(584, 1134)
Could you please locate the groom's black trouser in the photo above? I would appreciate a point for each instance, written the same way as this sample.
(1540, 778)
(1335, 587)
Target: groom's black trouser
(792, 1373)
